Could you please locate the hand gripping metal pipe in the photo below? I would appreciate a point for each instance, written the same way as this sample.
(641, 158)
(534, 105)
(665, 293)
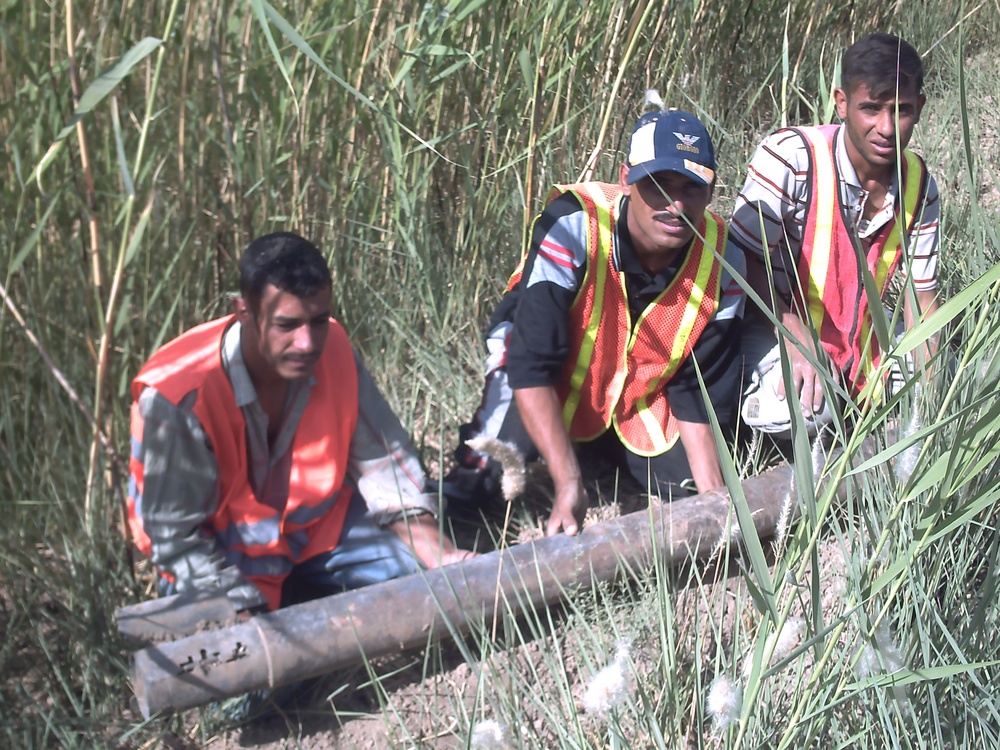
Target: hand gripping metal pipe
(328, 634)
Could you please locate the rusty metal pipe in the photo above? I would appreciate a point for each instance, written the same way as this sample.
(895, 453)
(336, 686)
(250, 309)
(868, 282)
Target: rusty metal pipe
(328, 634)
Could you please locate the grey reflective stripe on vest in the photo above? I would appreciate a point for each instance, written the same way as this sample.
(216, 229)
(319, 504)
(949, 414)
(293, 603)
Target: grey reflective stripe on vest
(267, 531)
(259, 534)
(265, 565)
(133, 492)
(307, 514)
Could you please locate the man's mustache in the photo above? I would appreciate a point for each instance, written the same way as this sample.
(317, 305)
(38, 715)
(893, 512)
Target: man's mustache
(670, 216)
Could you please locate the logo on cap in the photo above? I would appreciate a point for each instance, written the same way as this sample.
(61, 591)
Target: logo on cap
(687, 142)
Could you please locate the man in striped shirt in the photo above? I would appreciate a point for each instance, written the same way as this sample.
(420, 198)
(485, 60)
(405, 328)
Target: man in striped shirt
(822, 203)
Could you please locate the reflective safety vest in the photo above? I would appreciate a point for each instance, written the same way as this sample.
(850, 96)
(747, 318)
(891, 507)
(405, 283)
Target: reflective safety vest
(616, 374)
(829, 270)
(264, 543)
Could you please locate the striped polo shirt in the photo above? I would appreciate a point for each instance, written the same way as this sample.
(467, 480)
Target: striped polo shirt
(777, 188)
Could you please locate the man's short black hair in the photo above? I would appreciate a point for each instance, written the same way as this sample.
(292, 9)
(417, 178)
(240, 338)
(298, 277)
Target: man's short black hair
(884, 62)
(287, 261)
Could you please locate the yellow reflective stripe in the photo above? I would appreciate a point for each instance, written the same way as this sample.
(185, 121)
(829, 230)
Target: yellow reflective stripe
(653, 429)
(911, 200)
(824, 192)
(600, 269)
(691, 310)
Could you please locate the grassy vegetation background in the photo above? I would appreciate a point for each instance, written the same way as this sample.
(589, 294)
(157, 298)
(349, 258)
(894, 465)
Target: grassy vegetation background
(144, 144)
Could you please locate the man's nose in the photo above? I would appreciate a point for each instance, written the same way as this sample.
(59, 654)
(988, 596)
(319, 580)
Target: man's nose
(305, 338)
(677, 205)
(664, 201)
(886, 123)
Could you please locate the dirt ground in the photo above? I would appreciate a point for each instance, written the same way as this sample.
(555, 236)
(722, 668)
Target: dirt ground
(414, 706)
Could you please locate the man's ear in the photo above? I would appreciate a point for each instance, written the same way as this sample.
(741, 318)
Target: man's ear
(623, 179)
(840, 100)
(241, 309)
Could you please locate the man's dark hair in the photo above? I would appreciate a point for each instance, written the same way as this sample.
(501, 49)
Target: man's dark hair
(287, 261)
(876, 60)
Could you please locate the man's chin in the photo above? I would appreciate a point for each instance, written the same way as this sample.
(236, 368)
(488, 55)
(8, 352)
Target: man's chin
(668, 241)
(296, 371)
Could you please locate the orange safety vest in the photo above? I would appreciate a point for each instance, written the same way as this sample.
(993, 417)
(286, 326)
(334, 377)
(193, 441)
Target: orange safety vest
(828, 268)
(615, 374)
(263, 542)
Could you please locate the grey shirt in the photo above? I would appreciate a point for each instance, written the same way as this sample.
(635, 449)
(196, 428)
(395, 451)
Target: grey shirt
(181, 488)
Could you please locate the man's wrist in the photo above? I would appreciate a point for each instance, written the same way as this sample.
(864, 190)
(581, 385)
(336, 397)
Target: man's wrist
(404, 515)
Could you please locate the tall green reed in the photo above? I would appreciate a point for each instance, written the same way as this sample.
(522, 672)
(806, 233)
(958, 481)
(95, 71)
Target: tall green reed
(413, 143)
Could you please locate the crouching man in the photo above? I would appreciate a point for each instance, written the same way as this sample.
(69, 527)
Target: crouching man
(827, 206)
(264, 459)
(620, 317)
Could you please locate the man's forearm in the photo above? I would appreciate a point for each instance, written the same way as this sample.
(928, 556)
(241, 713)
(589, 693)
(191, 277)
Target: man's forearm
(382, 459)
(430, 546)
(178, 476)
(703, 456)
(541, 413)
(926, 303)
(757, 277)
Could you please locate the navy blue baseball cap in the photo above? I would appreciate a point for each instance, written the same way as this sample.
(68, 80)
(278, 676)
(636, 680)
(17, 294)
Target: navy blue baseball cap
(670, 141)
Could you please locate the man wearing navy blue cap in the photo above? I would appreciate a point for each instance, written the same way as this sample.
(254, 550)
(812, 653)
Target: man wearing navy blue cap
(618, 304)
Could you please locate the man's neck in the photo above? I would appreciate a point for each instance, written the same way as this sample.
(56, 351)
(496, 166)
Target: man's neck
(658, 261)
(270, 387)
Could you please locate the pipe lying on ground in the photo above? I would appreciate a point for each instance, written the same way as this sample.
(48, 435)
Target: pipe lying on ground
(328, 634)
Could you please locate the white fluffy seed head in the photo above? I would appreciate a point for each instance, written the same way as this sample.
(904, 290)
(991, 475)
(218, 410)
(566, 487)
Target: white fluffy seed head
(730, 536)
(867, 664)
(654, 100)
(780, 644)
(787, 638)
(610, 687)
(906, 462)
(781, 528)
(489, 734)
(623, 650)
(883, 655)
(892, 657)
(510, 459)
(725, 701)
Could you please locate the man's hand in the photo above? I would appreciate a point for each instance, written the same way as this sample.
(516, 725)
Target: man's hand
(541, 412)
(808, 383)
(568, 509)
(806, 379)
(432, 548)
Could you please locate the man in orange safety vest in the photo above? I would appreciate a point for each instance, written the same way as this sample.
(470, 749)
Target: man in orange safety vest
(264, 460)
(618, 320)
(849, 220)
